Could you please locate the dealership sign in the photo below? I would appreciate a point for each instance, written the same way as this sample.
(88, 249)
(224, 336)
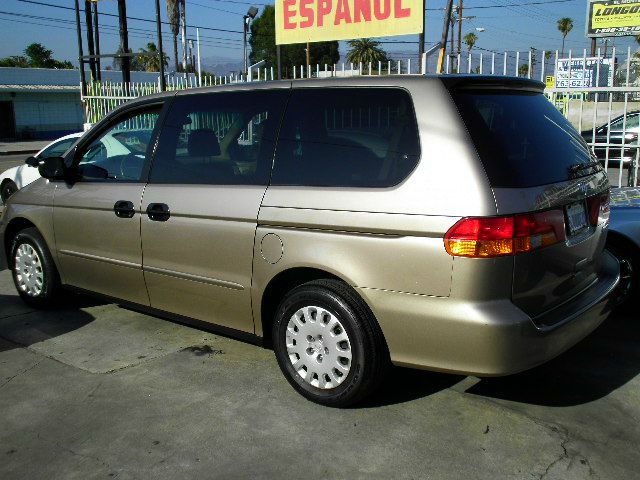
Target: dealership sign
(613, 18)
(584, 72)
(300, 21)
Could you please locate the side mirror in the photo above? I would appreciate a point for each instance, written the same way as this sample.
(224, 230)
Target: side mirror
(32, 162)
(53, 168)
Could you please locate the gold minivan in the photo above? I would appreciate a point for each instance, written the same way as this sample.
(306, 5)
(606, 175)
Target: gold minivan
(452, 223)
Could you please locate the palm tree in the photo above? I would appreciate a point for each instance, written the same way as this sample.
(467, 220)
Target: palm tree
(183, 16)
(149, 58)
(565, 25)
(173, 13)
(470, 39)
(365, 50)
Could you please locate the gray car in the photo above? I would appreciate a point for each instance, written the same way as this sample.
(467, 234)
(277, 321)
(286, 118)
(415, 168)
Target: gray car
(624, 241)
(452, 223)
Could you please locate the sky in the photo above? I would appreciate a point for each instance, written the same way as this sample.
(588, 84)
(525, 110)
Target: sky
(512, 25)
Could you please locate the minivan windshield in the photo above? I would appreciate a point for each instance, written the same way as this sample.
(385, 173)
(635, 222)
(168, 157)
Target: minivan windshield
(522, 139)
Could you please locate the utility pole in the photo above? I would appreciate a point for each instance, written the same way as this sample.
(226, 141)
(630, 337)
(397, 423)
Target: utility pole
(124, 42)
(308, 55)
(421, 36)
(460, 27)
(278, 62)
(593, 46)
(183, 16)
(445, 34)
(163, 85)
(83, 82)
(89, 27)
(97, 34)
(199, 64)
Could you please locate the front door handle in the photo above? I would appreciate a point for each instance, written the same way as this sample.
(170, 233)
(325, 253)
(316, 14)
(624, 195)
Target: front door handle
(124, 209)
(158, 212)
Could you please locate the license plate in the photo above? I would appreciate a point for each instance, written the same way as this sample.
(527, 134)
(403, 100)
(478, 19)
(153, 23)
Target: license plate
(577, 217)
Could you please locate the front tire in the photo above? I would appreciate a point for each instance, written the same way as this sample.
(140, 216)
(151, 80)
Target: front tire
(328, 344)
(8, 188)
(34, 273)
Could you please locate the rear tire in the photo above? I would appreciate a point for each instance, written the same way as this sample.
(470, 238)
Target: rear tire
(629, 259)
(34, 273)
(8, 188)
(328, 344)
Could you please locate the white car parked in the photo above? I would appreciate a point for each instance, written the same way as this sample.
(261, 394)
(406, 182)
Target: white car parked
(15, 178)
(109, 146)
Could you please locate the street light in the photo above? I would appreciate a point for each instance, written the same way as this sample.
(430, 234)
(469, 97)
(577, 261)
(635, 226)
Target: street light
(251, 14)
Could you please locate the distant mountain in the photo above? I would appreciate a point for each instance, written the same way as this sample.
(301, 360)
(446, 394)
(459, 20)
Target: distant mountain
(221, 66)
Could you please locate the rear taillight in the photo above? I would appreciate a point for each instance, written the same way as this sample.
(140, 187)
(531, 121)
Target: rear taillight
(485, 237)
(599, 209)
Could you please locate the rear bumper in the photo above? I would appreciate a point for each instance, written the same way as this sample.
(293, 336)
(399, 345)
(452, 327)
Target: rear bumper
(490, 338)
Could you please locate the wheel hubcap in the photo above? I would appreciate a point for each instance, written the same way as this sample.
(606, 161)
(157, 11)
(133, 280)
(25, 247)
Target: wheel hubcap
(28, 270)
(318, 347)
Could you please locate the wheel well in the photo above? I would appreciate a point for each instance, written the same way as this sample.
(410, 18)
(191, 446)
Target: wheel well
(15, 225)
(276, 290)
(620, 240)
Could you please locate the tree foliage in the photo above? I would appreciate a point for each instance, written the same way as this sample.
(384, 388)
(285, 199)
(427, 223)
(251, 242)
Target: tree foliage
(148, 59)
(470, 40)
(263, 46)
(173, 14)
(365, 50)
(35, 56)
(565, 25)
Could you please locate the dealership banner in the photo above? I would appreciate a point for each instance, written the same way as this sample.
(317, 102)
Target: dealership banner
(300, 21)
(613, 18)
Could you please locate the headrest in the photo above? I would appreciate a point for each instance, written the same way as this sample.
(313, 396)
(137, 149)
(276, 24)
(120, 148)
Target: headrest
(203, 143)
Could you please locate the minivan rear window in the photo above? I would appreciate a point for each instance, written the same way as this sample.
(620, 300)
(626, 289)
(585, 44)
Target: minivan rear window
(347, 137)
(522, 139)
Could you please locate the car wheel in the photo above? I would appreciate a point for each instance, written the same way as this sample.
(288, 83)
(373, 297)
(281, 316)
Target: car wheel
(328, 344)
(629, 260)
(8, 188)
(34, 273)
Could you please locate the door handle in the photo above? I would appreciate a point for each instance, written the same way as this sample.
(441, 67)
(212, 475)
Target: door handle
(124, 209)
(158, 212)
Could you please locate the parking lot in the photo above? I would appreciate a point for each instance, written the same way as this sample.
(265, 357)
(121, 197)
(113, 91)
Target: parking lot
(99, 391)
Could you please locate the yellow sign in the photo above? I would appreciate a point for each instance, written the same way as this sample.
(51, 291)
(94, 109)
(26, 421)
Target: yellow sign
(300, 21)
(550, 80)
(613, 18)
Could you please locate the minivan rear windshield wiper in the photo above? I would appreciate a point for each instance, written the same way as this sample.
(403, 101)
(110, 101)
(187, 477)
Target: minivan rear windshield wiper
(574, 169)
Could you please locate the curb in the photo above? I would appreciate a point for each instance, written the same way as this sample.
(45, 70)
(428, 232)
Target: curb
(18, 152)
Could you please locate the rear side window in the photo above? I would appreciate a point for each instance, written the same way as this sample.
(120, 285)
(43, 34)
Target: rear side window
(347, 137)
(219, 139)
(522, 139)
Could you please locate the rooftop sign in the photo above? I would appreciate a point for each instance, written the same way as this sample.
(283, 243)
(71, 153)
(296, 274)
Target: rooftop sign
(613, 18)
(300, 21)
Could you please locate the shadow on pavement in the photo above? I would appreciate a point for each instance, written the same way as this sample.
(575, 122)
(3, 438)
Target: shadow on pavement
(604, 361)
(28, 326)
(406, 384)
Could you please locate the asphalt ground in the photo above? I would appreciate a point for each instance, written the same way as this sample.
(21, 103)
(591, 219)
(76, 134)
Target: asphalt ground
(98, 391)
(8, 161)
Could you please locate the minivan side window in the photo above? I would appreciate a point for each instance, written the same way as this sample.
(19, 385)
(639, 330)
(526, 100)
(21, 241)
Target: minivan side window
(347, 137)
(119, 153)
(223, 138)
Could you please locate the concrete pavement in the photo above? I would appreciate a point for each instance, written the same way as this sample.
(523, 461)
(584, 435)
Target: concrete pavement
(98, 391)
(22, 146)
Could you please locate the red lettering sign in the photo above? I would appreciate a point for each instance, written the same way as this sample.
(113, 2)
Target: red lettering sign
(362, 9)
(324, 9)
(382, 9)
(306, 12)
(289, 13)
(343, 14)
(400, 12)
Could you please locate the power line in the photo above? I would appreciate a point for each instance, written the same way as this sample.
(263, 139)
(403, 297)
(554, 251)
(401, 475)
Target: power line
(525, 4)
(128, 17)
